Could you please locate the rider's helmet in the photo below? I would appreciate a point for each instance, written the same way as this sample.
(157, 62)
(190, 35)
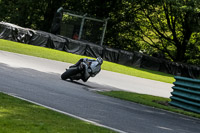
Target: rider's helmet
(100, 60)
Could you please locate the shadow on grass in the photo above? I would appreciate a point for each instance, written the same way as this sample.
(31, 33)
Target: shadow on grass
(20, 116)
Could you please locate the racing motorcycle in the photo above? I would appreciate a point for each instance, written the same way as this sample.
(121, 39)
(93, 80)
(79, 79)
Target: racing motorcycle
(83, 69)
(73, 72)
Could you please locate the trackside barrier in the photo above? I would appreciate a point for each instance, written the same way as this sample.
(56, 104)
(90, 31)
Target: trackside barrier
(186, 94)
(16, 33)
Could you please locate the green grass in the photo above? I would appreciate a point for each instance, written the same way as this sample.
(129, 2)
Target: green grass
(153, 101)
(73, 58)
(18, 116)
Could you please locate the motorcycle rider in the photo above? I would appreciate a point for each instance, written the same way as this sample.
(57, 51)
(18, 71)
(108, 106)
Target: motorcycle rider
(91, 67)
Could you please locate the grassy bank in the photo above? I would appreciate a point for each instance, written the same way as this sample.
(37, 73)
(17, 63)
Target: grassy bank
(23, 117)
(72, 58)
(153, 101)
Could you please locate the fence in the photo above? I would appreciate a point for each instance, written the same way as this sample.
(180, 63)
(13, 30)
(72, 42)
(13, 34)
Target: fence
(82, 27)
(186, 94)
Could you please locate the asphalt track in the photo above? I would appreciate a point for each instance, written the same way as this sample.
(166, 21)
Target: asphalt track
(38, 80)
(116, 80)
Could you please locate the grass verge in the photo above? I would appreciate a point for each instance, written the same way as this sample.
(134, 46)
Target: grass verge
(153, 101)
(21, 117)
(73, 58)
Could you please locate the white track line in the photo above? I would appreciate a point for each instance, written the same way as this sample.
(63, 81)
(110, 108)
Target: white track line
(74, 116)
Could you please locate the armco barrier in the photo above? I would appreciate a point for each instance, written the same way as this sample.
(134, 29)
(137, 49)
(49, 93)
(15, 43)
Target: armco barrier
(186, 94)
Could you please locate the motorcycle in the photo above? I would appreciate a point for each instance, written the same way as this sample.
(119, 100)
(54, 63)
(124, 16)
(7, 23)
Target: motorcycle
(74, 72)
(83, 69)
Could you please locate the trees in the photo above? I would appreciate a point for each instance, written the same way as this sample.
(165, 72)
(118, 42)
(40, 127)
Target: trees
(120, 29)
(170, 26)
(36, 14)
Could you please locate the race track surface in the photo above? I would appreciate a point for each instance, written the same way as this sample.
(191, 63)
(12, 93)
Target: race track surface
(38, 80)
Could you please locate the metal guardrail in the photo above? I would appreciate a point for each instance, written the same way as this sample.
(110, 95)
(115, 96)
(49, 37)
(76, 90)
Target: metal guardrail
(186, 94)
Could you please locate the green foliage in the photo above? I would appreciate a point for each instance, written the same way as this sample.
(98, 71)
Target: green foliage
(170, 27)
(120, 30)
(36, 14)
(193, 51)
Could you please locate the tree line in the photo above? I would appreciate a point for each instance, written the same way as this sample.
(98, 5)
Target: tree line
(164, 28)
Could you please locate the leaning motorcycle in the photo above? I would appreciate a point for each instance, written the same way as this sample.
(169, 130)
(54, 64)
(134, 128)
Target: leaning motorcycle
(74, 72)
(83, 69)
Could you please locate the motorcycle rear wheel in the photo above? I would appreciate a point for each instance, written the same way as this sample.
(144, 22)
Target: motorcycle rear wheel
(64, 76)
(68, 73)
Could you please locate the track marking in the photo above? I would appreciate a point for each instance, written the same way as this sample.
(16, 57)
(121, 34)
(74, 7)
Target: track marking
(74, 116)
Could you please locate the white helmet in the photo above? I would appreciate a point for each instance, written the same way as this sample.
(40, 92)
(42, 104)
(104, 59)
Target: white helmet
(100, 60)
